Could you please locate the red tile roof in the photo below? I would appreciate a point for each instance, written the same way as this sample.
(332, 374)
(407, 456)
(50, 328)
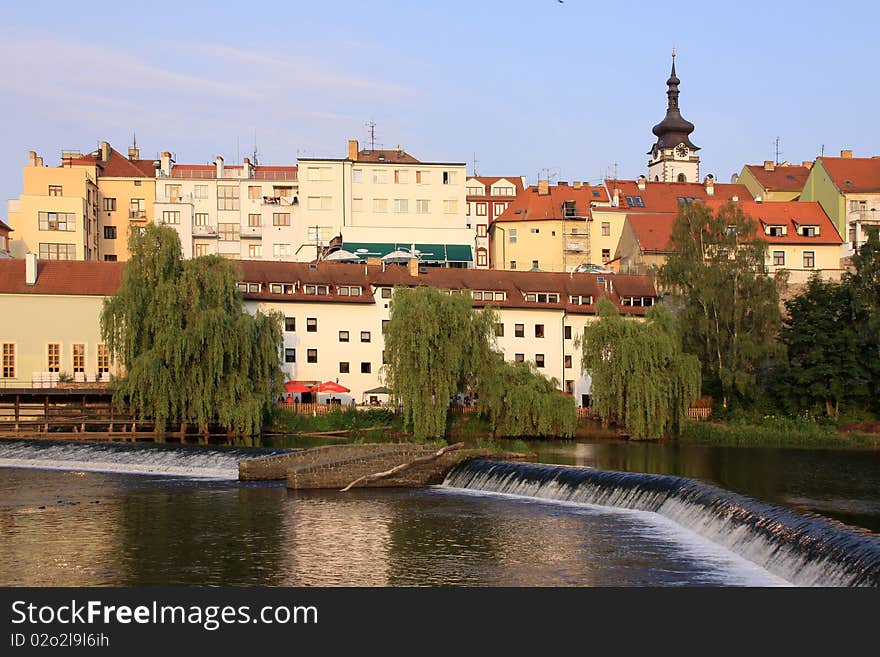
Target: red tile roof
(62, 277)
(853, 174)
(488, 181)
(392, 156)
(781, 178)
(652, 231)
(529, 205)
(259, 172)
(116, 166)
(790, 214)
(663, 196)
(5, 227)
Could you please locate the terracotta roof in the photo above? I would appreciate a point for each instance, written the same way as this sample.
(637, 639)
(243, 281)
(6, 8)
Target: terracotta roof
(4, 226)
(652, 231)
(119, 166)
(781, 178)
(62, 277)
(663, 196)
(853, 174)
(258, 172)
(529, 205)
(488, 181)
(790, 214)
(393, 156)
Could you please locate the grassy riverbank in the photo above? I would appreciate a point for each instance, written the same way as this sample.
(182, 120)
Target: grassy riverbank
(774, 431)
(340, 419)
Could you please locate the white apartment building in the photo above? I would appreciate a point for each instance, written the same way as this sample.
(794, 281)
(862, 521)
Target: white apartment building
(487, 198)
(379, 201)
(245, 211)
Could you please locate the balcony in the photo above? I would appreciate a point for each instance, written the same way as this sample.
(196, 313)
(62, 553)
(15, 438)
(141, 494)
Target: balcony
(181, 198)
(137, 215)
(204, 231)
(280, 200)
(251, 232)
(575, 247)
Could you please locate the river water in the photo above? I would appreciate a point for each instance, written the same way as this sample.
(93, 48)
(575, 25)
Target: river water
(83, 526)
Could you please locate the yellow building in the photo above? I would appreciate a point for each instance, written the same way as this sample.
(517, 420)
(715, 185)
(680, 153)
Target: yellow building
(546, 227)
(84, 208)
(775, 182)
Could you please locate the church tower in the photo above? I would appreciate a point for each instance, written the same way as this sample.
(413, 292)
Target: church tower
(674, 157)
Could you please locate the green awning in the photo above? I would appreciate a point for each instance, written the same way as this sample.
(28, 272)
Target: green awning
(427, 252)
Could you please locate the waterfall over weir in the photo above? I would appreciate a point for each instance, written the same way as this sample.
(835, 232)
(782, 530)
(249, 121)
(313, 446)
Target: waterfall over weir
(805, 550)
(182, 461)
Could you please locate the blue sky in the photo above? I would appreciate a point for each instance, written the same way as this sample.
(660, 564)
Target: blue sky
(568, 88)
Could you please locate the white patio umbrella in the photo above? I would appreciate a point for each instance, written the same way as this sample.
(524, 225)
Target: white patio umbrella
(342, 256)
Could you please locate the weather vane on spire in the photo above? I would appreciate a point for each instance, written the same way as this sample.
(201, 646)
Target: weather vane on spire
(673, 52)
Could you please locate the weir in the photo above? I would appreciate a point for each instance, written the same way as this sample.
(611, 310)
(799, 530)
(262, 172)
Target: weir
(805, 550)
(220, 463)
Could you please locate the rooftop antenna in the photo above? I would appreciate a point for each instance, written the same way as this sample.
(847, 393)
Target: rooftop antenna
(475, 164)
(371, 126)
(256, 153)
(134, 140)
(822, 150)
(237, 148)
(777, 151)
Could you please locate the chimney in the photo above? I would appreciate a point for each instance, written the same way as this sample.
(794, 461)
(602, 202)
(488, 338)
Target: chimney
(758, 198)
(353, 150)
(39, 161)
(32, 158)
(30, 268)
(576, 184)
(807, 164)
(709, 183)
(374, 261)
(641, 182)
(615, 198)
(105, 151)
(543, 187)
(769, 165)
(562, 183)
(219, 164)
(246, 169)
(165, 163)
(847, 154)
(734, 198)
(134, 153)
(413, 266)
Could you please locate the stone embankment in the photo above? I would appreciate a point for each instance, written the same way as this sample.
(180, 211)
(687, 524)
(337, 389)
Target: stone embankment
(336, 466)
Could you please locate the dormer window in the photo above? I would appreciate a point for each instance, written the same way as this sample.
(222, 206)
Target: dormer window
(348, 290)
(581, 299)
(250, 287)
(638, 301)
(316, 289)
(776, 231)
(809, 231)
(635, 201)
(542, 297)
(569, 209)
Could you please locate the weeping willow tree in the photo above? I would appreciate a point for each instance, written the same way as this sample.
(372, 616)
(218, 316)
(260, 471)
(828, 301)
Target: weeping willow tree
(436, 346)
(189, 352)
(641, 378)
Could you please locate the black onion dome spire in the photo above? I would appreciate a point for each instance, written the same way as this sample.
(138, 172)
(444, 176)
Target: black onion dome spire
(673, 129)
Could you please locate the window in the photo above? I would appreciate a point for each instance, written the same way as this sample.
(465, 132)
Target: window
(380, 205)
(109, 257)
(79, 358)
(201, 191)
(357, 205)
(481, 209)
(519, 358)
(281, 250)
(228, 232)
(539, 330)
(503, 191)
(109, 232)
(343, 367)
(513, 264)
(365, 336)
(255, 220)
(109, 204)
(172, 193)
(511, 236)
(519, 330)
(290, 355)
(103, 359)
(635, 202)
(201, 250)
(312, 324)
(534, 231)
(255, 192)
(606, 228)
(401, 176)
(423, 206)
(201, 219)
(386, 293)
(53, 357)
(137, 208)
(423, 177)
(55, 190)
(316, 289)
(449, 177)
(481, 230)
(401, 205)
(450, 206)
(320, 203)
(319, 174)
(312, 356)
(63, 221)
(566, 332)
(535, 264)
(539, 360)
(500, 208)
(482, 258)
(366, 368)
(499, 330)
(475, 191)
(280, 218)
(227, 197)
(349, 290)
(357, 175)
(566, 361)
(380, 176)
(343, 336)
(290, 324)
(809, 259)
(8, 360)
(57, 251)
(171, 216)
(606, 255)
(779, 258)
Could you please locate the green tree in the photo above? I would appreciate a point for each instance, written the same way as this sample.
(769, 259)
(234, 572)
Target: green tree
(729, 308)
(189, 352)
(640, 376)
(826, 361)
(864, 286)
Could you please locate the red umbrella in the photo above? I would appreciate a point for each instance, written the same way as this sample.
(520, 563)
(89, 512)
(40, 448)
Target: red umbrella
(330, 386)
(296, 386)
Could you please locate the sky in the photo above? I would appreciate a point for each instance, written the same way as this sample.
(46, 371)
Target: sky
(567, 90)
